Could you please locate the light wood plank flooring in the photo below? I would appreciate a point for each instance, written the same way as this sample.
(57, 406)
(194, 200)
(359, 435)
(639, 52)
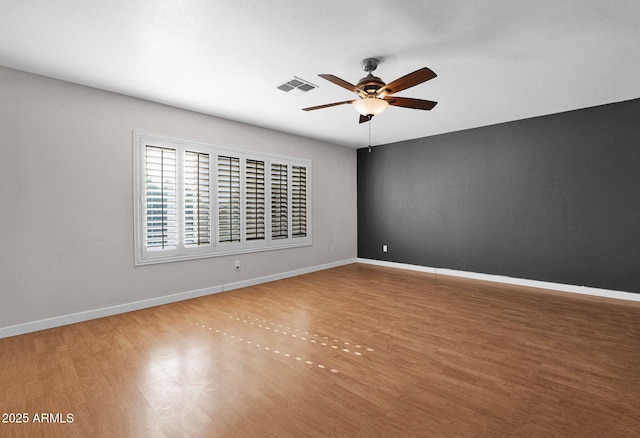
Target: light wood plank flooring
(356, 351)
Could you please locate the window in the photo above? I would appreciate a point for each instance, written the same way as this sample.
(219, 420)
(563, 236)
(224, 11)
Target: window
(160, 198)
(196, 200)
(228, 199)
(254, 200)
(279, 202)
(299, 201)
(197, 205)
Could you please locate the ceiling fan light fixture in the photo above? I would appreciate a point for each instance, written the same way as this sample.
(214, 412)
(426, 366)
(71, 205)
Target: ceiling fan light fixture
(370, 106)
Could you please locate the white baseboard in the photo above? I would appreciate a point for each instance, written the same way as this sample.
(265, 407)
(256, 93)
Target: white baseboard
(73, 318)
(274, 277)
(584, 290)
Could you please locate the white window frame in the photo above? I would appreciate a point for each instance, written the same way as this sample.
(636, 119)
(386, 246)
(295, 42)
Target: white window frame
(143, 256)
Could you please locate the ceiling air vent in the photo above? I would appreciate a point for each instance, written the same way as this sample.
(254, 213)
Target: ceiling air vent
(296, 86)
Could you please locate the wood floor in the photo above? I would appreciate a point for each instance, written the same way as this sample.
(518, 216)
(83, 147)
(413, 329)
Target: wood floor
(356, 351)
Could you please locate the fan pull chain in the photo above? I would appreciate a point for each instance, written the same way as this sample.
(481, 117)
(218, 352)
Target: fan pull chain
(369, 135)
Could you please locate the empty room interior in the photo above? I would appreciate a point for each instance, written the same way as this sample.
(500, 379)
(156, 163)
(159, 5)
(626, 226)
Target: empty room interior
(218, 219)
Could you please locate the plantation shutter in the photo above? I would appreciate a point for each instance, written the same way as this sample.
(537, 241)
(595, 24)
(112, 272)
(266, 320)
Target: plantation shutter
(228, 199)
(197, 230)
(161, 228)
(195, 200)
(299, 201)
(254, 200)
(279, 201)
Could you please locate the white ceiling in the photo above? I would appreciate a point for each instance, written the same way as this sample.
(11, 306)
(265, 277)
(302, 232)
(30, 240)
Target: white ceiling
(496, 60)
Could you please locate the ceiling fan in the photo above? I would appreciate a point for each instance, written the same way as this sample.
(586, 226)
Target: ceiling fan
(375, 96)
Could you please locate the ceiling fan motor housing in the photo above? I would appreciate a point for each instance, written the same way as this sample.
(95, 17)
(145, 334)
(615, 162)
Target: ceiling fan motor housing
(370, 84)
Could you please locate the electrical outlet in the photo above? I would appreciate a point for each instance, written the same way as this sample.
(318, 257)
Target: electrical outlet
(384, 248)
(237, 265)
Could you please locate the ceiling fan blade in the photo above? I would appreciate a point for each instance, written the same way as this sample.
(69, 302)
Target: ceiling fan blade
(408, 102)
(407, 81)
(340, 82)
(364, 119)
(326, 105)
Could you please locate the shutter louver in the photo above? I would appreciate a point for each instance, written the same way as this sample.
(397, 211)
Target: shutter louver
(160, 198)
(254, 200)
(299, 201)
(228, 199)
(279, 201)
(197, 230)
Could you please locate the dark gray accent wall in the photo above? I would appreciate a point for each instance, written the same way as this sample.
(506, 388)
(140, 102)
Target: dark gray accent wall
(553, 198)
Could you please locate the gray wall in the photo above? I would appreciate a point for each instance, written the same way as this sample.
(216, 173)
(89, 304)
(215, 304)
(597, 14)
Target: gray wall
(66, 200)
(553, 198)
